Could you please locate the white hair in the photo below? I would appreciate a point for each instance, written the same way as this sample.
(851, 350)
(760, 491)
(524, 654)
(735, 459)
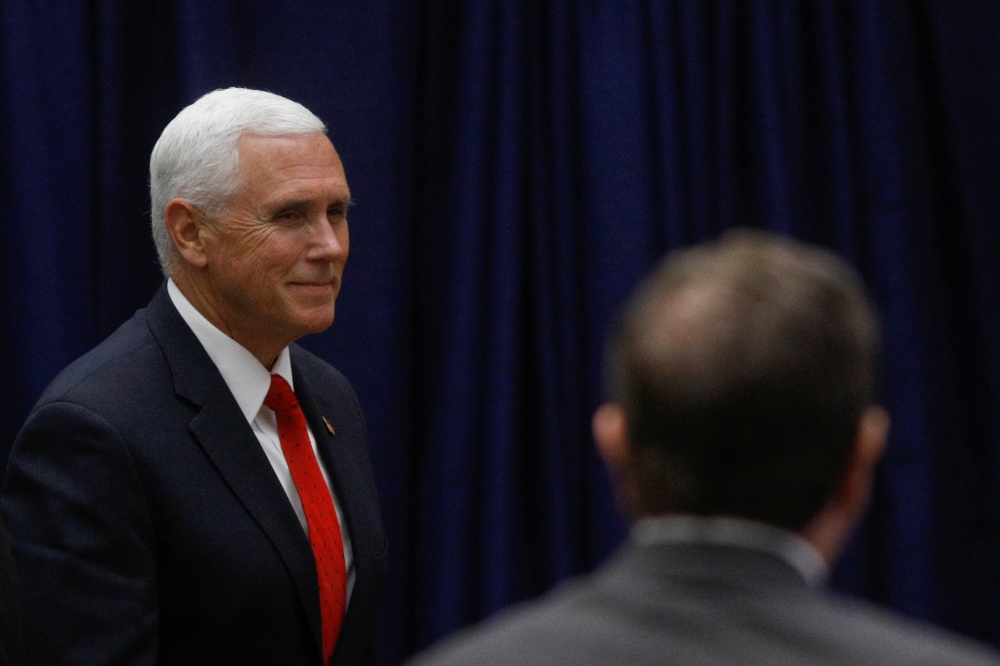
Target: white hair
(197, 158)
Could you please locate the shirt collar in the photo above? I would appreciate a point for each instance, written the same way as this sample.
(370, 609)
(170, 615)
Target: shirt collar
(739, 532)
(247, 379)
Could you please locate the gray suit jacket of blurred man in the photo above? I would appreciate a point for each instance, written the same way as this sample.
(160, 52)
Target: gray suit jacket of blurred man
(687, 604)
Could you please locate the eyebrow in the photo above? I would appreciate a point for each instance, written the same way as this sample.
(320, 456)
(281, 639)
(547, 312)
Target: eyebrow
(301, 203)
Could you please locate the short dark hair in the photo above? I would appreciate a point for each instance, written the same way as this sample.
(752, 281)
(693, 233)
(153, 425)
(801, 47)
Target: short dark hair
(743, 367)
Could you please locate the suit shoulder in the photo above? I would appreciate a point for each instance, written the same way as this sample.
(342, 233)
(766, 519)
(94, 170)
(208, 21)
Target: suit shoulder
(893, 638)
(113, 369)
(594, 620)
(547, 631)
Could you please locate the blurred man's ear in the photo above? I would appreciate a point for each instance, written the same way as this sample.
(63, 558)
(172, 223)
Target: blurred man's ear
(829, 531)
(873, 432)
(611, 436)
(185, 224)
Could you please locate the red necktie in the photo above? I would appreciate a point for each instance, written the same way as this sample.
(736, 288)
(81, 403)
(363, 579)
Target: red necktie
(317, 503)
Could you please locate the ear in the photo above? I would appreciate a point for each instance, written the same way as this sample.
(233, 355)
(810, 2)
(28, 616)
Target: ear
(873, 432)
(185, 224)
(611, 436)
(829, 530)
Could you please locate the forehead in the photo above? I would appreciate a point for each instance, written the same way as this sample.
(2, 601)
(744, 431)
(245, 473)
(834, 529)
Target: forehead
(277, 166)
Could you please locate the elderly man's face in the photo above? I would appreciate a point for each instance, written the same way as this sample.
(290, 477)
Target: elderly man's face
(275, 257)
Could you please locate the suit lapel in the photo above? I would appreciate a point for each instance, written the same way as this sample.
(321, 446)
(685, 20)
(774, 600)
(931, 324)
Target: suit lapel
(345, 457)
(231, 445)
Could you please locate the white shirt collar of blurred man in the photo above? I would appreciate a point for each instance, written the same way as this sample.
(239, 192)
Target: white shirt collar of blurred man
(737, 532)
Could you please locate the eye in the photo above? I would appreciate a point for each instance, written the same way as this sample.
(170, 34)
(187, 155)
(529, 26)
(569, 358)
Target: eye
(338, 208)
(336, 214)
(287, 216)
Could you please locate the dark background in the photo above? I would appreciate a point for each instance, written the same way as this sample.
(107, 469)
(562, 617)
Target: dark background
(517, 167)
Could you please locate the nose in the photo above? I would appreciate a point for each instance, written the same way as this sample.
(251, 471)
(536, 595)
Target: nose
(329, 240)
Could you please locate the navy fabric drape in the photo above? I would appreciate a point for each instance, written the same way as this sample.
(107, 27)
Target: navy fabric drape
(518, 166)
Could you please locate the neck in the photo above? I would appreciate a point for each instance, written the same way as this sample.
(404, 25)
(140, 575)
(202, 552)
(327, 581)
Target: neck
(829, 531)
(205, 303)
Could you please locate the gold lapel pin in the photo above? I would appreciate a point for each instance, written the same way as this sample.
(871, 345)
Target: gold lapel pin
(329, 427)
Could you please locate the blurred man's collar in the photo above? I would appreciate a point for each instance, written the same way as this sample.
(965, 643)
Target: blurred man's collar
(739, 532)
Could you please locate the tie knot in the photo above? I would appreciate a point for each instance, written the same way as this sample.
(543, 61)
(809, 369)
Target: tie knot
(280, 396)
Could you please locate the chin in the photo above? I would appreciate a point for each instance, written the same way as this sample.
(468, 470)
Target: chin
(317, 322)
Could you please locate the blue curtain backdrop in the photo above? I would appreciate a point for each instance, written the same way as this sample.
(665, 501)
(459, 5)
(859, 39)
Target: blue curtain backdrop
(518, 165)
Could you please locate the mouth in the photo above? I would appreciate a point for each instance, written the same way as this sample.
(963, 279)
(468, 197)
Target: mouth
(314, 288)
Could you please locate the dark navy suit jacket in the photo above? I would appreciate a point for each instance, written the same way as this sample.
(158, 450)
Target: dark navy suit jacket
(149, 527)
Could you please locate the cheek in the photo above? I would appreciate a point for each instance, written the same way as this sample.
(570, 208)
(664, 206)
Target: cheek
(252, 244)
(344, 238)
(263, 253)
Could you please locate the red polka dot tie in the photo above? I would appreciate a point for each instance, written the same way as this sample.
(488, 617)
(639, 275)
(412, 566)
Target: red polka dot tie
(317, 503)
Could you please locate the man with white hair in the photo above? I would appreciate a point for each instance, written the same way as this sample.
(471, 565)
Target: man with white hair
(197, 489)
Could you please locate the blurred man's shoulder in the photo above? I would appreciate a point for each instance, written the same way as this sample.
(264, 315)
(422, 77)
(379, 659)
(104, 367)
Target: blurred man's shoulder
(603, 618)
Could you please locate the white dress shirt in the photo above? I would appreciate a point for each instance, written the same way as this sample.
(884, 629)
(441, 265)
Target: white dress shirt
(731, 531)
(249, 382)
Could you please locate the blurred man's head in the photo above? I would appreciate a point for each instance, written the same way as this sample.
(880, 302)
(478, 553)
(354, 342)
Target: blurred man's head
(742, 382)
